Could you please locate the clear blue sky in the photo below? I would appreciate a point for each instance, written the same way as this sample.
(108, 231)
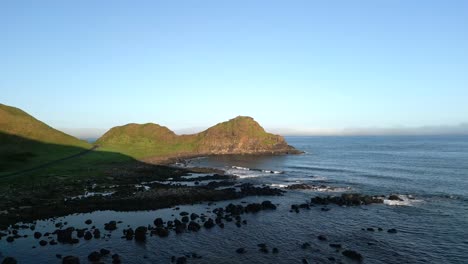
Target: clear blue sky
(300, 65)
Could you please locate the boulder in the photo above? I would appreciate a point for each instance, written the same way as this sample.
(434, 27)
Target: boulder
(9, 260)
(209, 224)
(94, 256)
(129, 233)
(158, 222)
(240, 250)
(111, 226)
(88, 235)
(37, 235)
(140, 233)
(352, 255)
(267, 205)
(193, 226)
(70, 260)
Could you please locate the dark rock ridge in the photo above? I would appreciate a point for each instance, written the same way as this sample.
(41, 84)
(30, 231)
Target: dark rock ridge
(240, 135)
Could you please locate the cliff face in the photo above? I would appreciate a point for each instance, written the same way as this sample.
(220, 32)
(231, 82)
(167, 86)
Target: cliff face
(241, 135)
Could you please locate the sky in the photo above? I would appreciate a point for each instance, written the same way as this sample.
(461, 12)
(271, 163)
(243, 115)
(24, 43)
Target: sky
(297, 67)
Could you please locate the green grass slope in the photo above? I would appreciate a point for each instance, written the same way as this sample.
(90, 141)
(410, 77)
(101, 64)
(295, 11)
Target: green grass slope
(27, 142)
(240, 135)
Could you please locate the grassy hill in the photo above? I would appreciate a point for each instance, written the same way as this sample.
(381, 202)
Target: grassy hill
(240, 135)
(26, 142)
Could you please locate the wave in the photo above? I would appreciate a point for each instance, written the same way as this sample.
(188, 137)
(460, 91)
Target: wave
(404, 200)
(312, 188)
(319, 169)
(258, 170)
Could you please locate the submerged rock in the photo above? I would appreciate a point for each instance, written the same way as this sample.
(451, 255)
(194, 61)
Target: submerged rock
(9, 260)
(94, 256)
(70, 260)
(240, 250)
(352, 255)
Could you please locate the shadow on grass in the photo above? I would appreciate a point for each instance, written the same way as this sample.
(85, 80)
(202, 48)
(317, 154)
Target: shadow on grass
(20, 156)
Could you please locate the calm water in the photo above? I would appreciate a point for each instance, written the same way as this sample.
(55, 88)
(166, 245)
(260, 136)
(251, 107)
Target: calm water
(432, 226)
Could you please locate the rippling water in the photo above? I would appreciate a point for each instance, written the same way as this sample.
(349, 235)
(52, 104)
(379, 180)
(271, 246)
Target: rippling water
(432, 225)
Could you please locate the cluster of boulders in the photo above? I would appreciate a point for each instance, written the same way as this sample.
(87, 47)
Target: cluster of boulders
(194, 222)
(347, 199)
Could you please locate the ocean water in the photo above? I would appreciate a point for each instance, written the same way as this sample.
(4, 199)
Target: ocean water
(429, 173)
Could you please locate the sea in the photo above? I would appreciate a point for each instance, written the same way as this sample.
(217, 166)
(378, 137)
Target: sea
(428, 173)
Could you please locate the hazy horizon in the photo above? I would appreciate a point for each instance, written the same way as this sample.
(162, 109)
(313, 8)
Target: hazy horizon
(460, 129)
(299, 67)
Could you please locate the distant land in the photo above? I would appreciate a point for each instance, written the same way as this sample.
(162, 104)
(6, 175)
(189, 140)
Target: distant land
(240, 135)
(28, 142)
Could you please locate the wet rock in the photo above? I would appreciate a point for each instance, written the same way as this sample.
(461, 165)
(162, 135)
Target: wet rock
(185, 219)
(370, 229)
(348, 199)
(88, 235)
(352, 255)
(9, 260)
(94, 256)
(338, 246)
(253, 208)
(97, 233)
(70, 260)
(275, 251)
(111, 226)
(140, 233)
(240, 250)
(304, 261)
(209, 224)
(161, 232)
(248, 189)
(88, 222)
(392, 231)
(104, 252)
(10, 239)
(116, 259)
(304, 206)
(263, 248)
(53, 242)
(183, 213)
(193, 216)
(59, 256)
(80, 233)
(158, 222)
(65, 236)
(267, 205)
(37, 235)
(325, 209)
(305, 245)
(129, 233)
(193, 226)
(179, 226)
(395, 197)
(181, 260)
(322, 238)
(43, 243)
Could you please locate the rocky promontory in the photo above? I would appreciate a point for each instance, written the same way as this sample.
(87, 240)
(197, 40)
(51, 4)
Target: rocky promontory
(240, 135)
